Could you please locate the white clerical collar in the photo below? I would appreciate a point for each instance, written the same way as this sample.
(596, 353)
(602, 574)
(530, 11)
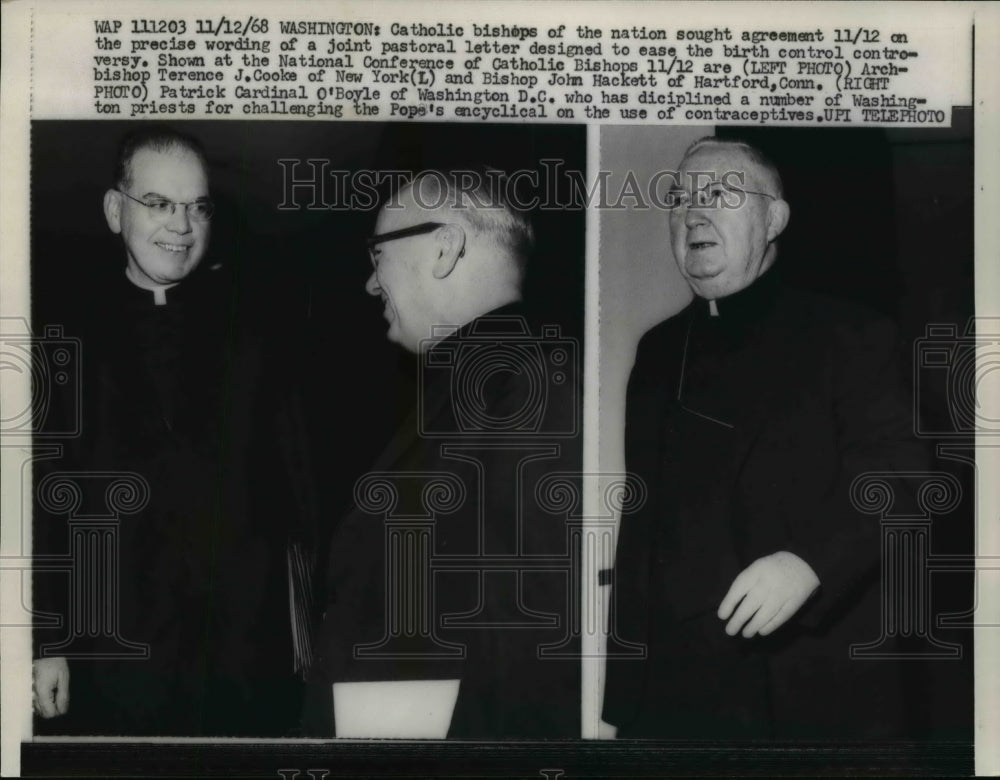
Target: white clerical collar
(159, 293)
(713, 308)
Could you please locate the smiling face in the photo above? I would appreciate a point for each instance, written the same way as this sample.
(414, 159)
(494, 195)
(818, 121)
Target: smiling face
(403, 276)
(161, 251)
(721, 250)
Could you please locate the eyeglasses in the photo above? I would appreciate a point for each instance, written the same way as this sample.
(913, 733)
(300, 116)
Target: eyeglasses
(162, 209)
(414, 230)
(713, 195)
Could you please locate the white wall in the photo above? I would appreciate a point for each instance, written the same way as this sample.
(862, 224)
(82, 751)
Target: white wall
(639, 281)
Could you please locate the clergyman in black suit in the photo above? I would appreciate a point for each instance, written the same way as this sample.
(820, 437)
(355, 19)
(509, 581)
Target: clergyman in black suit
(748, 573)
(454, 564)
(196, 621)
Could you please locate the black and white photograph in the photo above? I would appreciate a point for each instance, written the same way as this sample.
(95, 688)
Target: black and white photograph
(499, 389)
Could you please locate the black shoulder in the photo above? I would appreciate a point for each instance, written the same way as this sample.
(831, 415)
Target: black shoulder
(826, 310)
(661, 337)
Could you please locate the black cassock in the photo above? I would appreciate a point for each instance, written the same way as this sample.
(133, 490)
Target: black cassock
(458, 560)
(199, 406)
(747, 429)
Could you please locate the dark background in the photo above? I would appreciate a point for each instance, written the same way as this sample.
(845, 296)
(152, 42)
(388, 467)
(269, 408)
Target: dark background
(880, 216)
(301, 272)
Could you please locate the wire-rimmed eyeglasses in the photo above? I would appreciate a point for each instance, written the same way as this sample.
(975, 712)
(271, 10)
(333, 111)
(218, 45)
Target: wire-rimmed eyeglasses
(162, 209)
(713, 195)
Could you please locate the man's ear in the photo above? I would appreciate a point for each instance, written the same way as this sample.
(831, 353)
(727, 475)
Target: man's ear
(113, 210)
(451, 243)
(778, 213)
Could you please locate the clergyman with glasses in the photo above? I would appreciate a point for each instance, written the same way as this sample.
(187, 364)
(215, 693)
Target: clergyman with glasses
(748, 574)
(203, 625)
(449, 603)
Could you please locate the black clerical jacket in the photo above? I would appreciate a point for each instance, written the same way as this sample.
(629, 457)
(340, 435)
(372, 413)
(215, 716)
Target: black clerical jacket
(189, 407)
(747, 430)
(458, 559)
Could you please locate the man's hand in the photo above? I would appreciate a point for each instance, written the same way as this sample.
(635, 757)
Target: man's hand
(768, 591)
(50, 686)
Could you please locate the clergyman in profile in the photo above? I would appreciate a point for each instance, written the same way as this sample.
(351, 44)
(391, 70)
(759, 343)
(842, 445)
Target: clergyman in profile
(451, 580)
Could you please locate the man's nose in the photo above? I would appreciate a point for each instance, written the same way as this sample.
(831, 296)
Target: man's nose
(179, 221)
(372, 286)
(694, 217)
